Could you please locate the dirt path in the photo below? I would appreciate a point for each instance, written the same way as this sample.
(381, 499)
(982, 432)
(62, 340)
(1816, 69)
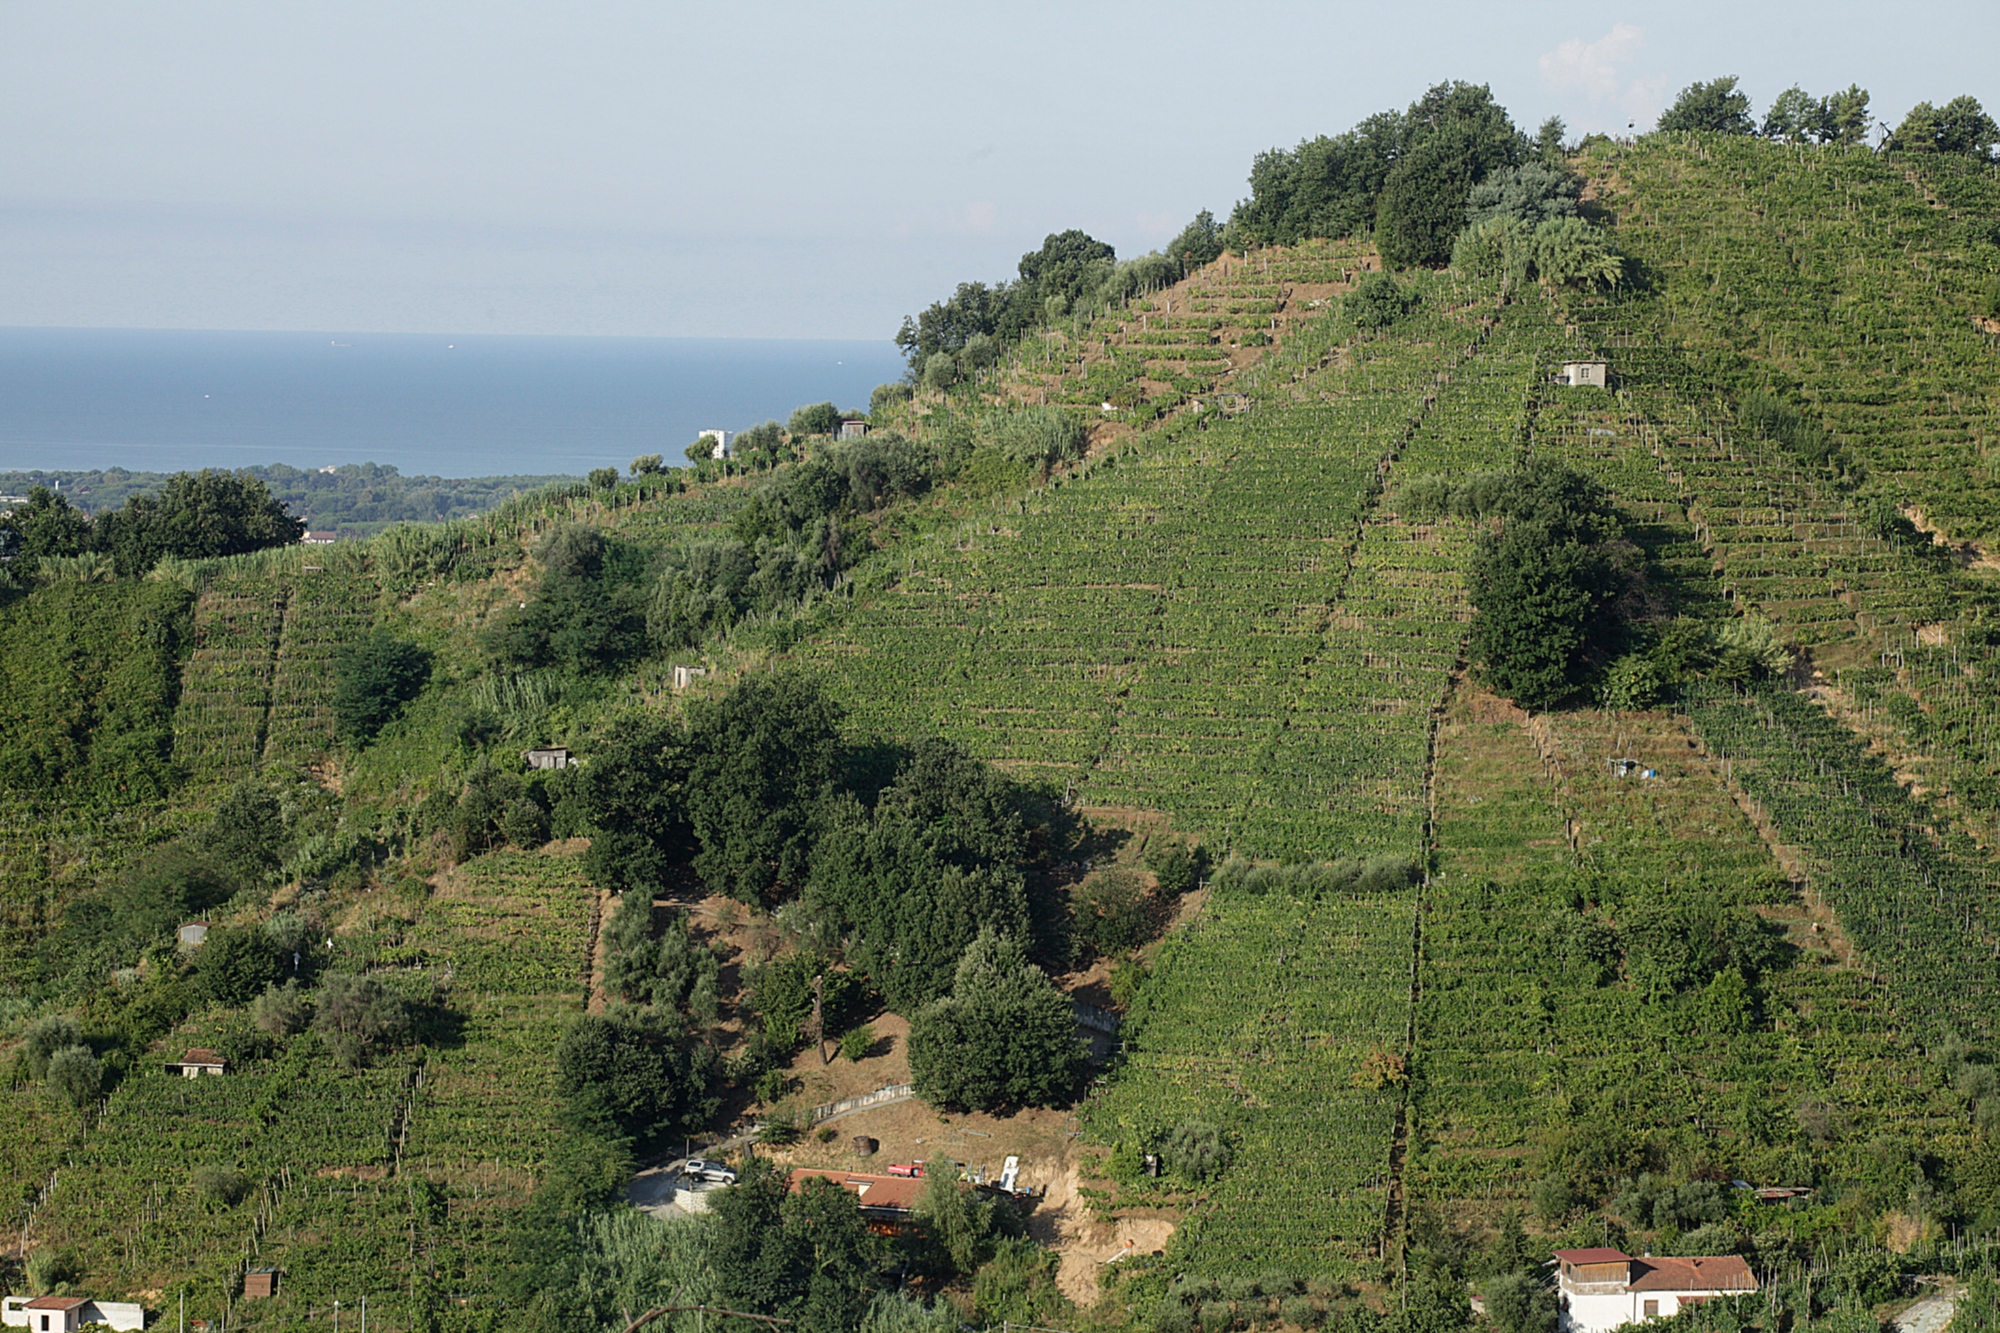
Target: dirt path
(1929, 1314)
(1086, 1244)
(594, 998)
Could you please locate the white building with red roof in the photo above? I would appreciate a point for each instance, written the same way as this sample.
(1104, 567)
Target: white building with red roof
(1602, 1289)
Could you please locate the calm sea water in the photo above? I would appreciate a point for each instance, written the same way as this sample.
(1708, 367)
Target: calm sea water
(472, 406)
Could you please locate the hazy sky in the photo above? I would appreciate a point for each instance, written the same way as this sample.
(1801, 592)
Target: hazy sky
(751, 169)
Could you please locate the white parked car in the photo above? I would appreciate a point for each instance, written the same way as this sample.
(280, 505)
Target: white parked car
(713, 1173)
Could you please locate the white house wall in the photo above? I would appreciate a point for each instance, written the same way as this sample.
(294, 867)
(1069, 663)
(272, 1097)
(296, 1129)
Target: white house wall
(120, 1315)
(1598, 1314)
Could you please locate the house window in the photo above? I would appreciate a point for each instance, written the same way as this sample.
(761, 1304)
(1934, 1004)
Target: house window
(1652, 1309)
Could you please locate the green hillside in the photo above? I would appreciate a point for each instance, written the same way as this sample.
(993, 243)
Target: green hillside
(1183, 582)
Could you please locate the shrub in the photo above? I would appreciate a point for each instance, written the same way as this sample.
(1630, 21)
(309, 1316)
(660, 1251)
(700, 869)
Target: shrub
(47, 1036)
(76, 1076)
(1178, 867)
(1111, 912)
(1869, 1276)
(603, 478)
(1196, 1152)
(236, 964)
(1041, 438)
(220, 1187)
(281, 1010)
(52, 1270)
(1128, 977)
(1378, 301)
(1299, 1311)
(855, 1045)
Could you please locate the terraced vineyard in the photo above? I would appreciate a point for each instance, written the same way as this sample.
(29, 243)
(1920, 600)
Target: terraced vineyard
(1232, 624)
(1170, 631)
(1225, 618)
(499, 957)
(1177, 347)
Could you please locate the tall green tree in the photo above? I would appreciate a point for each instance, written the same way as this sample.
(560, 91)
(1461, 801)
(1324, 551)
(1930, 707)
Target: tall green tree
(1199, 244)
(1959, 126)
(373, 678)
(1545, 584)
(46, 525)
(1004, 1037)
(588, 611)
(763, 760)
(633, 794)
(1069, 264)
(632, 1069)
(804, 1255)
(1715, 107)
(814, 419)
(1458, 136)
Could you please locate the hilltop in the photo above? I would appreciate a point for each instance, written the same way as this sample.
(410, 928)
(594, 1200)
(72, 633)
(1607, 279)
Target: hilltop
(1163, 652)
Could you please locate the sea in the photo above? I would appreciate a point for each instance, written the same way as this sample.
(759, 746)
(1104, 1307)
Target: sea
(428, 404)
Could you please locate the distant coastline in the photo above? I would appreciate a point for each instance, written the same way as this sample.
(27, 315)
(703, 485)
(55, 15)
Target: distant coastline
(445, 405)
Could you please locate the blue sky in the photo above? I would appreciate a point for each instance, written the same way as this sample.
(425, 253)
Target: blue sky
(760, 169)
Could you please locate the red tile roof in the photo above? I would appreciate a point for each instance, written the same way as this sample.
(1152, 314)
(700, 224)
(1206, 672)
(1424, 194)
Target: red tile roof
(1716, 1273)
(56, 1302)
(891, 1193)
(1600, 1255)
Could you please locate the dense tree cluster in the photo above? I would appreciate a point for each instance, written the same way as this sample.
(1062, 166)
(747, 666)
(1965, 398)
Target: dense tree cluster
(1796, 116)
(1959, 126)
(193, 515)
(1404, 174)
(911, 882)
(1068, 265)
(1719, 106)
(586, 612)
(356, 499)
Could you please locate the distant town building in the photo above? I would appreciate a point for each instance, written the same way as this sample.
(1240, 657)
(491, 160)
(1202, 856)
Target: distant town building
(319, 538)
(193, 933)
(1579, 374)
(65, 1314)
(556, 757)
(198, 1063)
(852, 428)
(1602, 1289)
(724, 443)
